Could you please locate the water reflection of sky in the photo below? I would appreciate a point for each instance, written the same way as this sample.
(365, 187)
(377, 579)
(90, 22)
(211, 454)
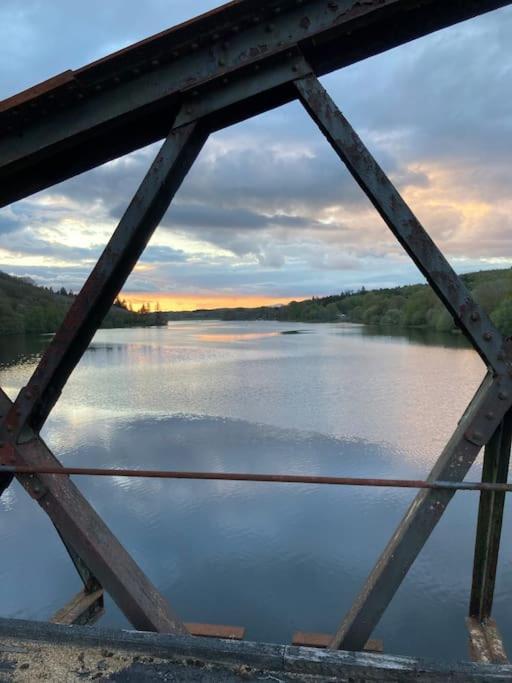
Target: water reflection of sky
(273, 558)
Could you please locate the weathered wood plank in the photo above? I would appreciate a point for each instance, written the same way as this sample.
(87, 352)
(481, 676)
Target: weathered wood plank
(215, 631)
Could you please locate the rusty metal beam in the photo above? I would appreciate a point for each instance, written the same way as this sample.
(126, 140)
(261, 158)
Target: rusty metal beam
(483, 415)
(490, 519)
(122, 252)
(86, 117)
(313, 479)
(84, 609)
(83, 530)
(485, 642)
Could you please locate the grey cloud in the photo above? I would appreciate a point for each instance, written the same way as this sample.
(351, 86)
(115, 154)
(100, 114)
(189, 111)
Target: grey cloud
(258, 189)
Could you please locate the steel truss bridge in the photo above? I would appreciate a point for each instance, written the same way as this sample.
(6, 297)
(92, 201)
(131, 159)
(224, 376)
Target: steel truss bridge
(233, 63)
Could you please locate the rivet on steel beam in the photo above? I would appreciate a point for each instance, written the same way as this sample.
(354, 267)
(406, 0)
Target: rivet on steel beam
(277, 10)
(490, 415)
(477, 436)
(155, 62)
(222, 62)
(475, 316)
(487, 336)
(503, 395)
(225, 80)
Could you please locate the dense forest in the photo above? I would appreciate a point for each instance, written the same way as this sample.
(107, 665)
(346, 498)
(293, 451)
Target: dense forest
(26, 308)
(409, 306)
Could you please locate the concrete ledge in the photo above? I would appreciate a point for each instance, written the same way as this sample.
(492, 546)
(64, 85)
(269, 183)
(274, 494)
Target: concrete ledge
(231, 656)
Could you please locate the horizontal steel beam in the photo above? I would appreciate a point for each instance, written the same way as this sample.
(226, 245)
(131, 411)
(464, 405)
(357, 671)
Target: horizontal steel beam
(86, 117)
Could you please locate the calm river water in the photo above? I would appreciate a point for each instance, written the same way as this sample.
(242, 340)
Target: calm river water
(335, 400)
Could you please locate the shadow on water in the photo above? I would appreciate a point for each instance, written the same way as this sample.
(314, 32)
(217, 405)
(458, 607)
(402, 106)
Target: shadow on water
(415, 335)
(18, 348)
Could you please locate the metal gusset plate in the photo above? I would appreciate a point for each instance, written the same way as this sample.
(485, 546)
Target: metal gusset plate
(482, 417)
(79, 526)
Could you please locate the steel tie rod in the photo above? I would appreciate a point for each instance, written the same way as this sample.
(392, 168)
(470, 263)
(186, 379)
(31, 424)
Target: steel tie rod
(269, 478)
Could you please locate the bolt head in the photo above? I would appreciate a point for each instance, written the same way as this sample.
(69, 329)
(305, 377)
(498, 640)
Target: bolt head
(502, 395)
(487, 336)
(474, 316)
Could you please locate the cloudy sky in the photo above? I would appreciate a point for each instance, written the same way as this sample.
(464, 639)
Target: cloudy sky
(268, 213)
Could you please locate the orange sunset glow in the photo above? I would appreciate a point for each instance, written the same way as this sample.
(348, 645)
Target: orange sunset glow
(188, 302)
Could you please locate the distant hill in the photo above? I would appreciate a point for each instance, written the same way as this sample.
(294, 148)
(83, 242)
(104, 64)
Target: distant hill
(26, 308)
(409, 306)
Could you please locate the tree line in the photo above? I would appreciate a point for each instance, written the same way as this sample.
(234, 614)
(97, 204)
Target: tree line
(408, 306)
(27, 308)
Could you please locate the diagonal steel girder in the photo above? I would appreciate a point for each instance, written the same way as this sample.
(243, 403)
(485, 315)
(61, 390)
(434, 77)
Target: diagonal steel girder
(80, 527)
(484, 414)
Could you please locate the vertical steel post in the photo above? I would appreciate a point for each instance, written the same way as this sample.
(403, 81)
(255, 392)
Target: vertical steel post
(490, 519)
